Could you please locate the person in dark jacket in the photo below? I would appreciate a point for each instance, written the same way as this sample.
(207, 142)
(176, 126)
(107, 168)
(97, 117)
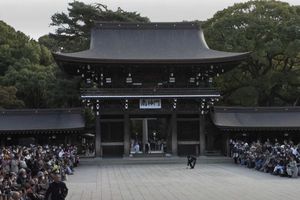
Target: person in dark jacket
(57, 189)
(191, 161)
(22, 178)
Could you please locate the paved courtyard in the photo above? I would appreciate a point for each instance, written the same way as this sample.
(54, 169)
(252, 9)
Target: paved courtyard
(94, 180)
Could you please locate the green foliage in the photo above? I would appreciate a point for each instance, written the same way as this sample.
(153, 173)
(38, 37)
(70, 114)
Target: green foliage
(23, 69)
(64, 92)
(8, 98)
(73, 28)
(49, 43)
(42, 86)
(10, 44)
(32, 81)
(270, 30)
(28, 76)
(15, 46)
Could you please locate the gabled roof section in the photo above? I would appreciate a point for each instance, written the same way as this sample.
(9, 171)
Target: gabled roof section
(148, 43)
(41, 119)
(257, 118)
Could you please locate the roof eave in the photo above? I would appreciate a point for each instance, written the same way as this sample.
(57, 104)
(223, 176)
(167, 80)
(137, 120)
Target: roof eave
(60, 58)
(42, 131)
(238, 128)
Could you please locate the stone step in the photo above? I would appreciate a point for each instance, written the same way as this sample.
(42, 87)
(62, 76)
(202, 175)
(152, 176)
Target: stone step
(213, 153)
(139, 155)
(155, 160)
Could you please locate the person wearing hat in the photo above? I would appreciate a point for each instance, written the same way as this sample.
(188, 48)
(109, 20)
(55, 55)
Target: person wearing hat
(57, 189)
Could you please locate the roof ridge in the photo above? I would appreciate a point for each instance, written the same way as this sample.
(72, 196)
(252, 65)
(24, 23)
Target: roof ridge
(147, 25)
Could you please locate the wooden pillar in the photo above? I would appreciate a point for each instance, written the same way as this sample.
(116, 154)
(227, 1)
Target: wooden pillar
(227, 146)
(169, 136)
(202, 134)
(174, 134)
(126, 135)
(66, 139)
(145, 133)
(2, 141)
(98, 146)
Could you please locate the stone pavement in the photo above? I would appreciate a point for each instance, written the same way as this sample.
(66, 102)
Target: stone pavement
(103, 180)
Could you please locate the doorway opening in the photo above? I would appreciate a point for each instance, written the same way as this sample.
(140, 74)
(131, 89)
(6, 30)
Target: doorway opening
(148, 135)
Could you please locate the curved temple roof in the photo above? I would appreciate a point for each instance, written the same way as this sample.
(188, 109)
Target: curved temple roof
(256, 118)
(148, 43)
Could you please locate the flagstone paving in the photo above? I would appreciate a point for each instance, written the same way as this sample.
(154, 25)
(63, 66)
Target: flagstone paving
(95, 180)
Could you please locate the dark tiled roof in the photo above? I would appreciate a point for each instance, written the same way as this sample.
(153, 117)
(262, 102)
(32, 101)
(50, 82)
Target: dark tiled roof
(245, 118)
(148, 43)
(41, 119)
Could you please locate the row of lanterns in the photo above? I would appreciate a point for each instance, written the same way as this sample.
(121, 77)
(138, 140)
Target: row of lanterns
(89, 75)
(205, 105)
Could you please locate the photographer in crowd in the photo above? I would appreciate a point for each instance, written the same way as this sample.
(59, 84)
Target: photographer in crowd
(277, 159)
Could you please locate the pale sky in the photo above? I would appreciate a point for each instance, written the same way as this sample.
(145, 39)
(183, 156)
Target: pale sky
(33, 16)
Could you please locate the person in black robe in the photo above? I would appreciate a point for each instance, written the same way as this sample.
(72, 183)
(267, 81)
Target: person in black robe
(191, 161)
(57, 190)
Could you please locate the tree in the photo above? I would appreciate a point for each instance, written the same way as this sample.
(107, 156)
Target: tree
(270, 30)
(73, 29)
(23, 64)
(32, 81)
(8, 98)
(15, 45)
(64, 92)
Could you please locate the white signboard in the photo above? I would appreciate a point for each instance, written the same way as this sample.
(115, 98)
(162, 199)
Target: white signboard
(150, 104)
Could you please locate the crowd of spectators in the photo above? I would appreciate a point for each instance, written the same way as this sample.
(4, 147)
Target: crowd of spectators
(26, 172)
(275, 158)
